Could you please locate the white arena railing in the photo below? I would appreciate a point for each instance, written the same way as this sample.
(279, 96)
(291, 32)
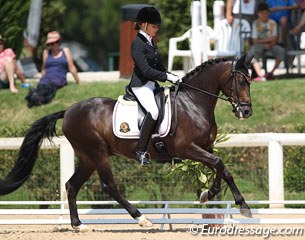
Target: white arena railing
(274, 142)
(168, 214)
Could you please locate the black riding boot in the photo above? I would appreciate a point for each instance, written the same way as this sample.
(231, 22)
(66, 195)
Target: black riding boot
(147, 129)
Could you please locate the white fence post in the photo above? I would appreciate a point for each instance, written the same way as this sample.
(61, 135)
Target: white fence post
(276, 175)
(66, 166)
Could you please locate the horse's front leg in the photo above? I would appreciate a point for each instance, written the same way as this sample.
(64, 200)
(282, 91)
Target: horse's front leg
(216, 163)
(239, 199)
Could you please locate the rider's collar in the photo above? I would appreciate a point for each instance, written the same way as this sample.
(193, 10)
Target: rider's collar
(148, 38)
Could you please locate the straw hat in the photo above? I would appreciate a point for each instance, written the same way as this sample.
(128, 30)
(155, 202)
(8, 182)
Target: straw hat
(53, 37)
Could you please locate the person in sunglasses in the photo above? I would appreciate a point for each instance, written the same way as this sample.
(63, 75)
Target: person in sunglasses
(56, 62)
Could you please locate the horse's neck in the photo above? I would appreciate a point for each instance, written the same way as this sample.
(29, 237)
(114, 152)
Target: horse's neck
(210, 80)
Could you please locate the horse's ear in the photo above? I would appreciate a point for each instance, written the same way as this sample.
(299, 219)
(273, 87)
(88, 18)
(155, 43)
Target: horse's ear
(244, 61)
(240, 64)
(249, 58)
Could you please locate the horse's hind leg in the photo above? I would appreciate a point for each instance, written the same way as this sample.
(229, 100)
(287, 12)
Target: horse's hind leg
(109, 186)
(81, 175)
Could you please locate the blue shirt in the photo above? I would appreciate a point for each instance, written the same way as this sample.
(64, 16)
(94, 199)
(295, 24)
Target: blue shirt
(276, 16)
(56, 70)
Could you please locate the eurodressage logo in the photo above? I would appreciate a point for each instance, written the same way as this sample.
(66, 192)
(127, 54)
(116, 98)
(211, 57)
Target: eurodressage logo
(124, 127)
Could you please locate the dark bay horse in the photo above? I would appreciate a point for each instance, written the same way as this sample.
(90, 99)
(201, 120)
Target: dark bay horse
(88, 127)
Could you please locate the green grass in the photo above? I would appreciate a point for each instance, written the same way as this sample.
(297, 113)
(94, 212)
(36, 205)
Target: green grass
(276, 104)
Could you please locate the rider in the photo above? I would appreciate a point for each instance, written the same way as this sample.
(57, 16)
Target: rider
(147, 70)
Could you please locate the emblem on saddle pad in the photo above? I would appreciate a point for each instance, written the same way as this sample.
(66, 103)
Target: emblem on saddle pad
(124, 127)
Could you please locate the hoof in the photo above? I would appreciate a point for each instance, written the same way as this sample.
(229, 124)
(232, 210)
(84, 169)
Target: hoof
(246, 212)
(144, 222)
(81, 228)
(204, 197)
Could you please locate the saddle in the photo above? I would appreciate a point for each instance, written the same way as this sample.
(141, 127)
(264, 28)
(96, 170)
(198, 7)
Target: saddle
(160, 99)
(128, 117)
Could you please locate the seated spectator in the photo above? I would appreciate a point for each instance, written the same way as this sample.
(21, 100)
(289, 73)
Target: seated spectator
(245, 11)
(8, 68)
(280, 12)
(264, 37)
(56, 62)
(297, 29)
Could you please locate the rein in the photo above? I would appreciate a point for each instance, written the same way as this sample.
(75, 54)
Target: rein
(228, 99)
(204, 91)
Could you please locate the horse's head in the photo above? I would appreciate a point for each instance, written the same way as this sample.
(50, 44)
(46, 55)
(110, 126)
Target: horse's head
(237, 88)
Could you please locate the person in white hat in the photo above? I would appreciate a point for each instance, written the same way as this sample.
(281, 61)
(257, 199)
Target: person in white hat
(8, 67)
(56, 62)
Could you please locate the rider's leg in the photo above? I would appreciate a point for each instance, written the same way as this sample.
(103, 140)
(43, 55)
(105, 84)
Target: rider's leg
(146, 97)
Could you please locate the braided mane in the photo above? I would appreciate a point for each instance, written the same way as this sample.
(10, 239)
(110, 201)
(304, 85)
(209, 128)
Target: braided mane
(205, 64)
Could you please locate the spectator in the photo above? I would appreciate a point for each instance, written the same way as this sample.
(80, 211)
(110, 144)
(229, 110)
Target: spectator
(247, 10)
(301, 23)
(8, 68)
(56, 62)
(280, 12)
(264, 37)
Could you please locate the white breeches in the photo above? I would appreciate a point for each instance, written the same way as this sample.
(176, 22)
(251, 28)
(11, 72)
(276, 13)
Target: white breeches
(145, 95)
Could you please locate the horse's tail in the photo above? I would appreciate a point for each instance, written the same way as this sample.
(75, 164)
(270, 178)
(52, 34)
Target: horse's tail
(42, 128)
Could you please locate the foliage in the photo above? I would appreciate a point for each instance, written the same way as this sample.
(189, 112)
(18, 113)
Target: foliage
(13, 20)
(196, 175)
(294, 169)
(96, 24)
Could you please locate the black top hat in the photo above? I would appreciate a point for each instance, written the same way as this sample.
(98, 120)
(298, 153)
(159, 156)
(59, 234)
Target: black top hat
(150, 15)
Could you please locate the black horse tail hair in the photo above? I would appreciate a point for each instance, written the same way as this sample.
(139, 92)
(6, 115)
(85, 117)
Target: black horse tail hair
(42, 128)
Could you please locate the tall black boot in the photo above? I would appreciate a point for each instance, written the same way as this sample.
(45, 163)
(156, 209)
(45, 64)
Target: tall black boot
(147, 130)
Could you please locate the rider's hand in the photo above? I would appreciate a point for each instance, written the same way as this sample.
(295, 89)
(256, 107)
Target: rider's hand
(173, 78)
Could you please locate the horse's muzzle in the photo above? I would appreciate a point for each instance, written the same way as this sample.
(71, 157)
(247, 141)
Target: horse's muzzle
(243, 110)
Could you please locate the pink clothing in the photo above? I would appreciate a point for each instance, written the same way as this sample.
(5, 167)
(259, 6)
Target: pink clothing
(4, 54)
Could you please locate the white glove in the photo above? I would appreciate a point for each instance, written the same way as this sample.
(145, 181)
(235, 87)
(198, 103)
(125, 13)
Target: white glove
(173, 78)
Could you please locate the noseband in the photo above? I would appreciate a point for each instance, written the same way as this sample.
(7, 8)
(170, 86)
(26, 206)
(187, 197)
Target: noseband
(233, 79)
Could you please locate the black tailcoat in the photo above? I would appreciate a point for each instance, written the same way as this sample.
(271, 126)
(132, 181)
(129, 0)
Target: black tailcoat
(147, 63)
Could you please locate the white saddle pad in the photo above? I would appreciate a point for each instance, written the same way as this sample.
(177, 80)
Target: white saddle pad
(125, 118)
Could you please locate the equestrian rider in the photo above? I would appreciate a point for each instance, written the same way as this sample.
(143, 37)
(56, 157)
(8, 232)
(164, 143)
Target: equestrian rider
(147, 70)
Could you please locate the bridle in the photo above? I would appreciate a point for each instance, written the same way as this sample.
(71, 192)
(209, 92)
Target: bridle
(232, 79)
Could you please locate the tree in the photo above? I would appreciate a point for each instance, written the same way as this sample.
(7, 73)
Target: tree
(96, 24)
(13, 20)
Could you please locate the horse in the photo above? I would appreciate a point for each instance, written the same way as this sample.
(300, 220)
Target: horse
(88, 127)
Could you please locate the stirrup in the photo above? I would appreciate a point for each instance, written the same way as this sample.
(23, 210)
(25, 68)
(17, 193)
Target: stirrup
(143, 158)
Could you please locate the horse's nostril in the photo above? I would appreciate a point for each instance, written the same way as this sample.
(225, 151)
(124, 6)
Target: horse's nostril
(247, 112)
